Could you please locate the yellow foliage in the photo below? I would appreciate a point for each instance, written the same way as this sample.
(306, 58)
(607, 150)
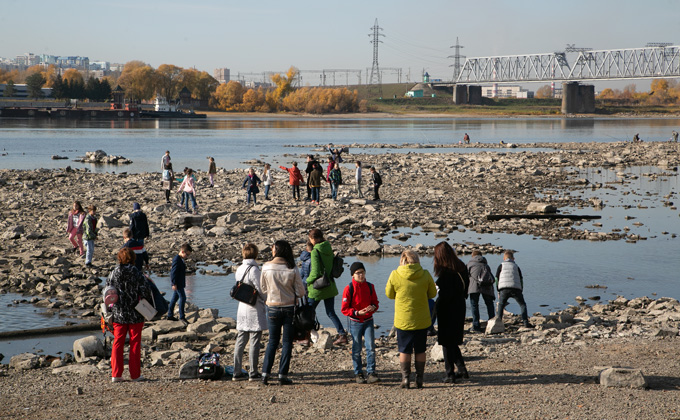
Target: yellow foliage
(254, 101)
(72, 76)
(6, 76)
(167, 80)
(138, 80)
(544, 91)
(228, 96)
(320, 100)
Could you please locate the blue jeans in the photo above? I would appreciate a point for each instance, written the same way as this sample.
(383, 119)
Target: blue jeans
(330, 311)
(334, 190)
(89, 251)
(505, 294)
(182, 297)
(474, 303)
(248, 194)
(279, 318)
(315, 193)
(358, 331)
(296, 191)
(266, 192)
(186, 197)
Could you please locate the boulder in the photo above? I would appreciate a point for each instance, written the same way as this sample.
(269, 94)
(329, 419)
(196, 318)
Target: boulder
(227, 220)
(77, 369)
(87, 347)
(623, 378)
(437, 353)
(541, 208)
(202, 326)
(189, 370)
(370, 246)
(211, 313)
(178, 336)
(324, 342)
(24, 361)
(189, 220)
(109, 222)
(495, 326)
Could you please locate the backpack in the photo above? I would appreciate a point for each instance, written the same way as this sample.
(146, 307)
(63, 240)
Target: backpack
(139, 226)
(485, 278)
(351, 290)
(337, 269)
(209, 367)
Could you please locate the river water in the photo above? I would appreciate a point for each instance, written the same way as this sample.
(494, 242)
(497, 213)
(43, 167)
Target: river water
(555, 272)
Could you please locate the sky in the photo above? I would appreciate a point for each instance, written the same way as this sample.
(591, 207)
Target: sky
(265, 35)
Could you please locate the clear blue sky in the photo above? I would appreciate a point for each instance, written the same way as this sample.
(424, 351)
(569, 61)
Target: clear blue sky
(256, 36)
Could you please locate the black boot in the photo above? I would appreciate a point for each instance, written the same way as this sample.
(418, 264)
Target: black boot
(405, 374)
(462, 370)
(420, 372)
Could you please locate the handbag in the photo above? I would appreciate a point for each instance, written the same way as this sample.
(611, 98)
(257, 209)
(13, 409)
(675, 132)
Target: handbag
(304, 317)
(323, 281)
(244, 292)
(146, 309)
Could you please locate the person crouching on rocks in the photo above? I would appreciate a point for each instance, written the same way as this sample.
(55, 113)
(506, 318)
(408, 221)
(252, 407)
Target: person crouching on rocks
(74, 227)
(510, 285)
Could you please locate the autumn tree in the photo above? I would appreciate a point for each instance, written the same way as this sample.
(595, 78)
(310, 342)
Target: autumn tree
(138, 80)
(544, 92)
(50, 73)
(34, 84)
(6, 76)
(73, 76)
(167, 80)
(228, 96)
(284, 85)
(254, 101)
(200, 83)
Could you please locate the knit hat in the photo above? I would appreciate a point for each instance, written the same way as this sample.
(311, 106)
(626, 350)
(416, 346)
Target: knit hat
(135, 206)
(356, 266)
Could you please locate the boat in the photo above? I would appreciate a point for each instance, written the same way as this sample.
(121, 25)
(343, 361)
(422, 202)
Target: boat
(163, 109)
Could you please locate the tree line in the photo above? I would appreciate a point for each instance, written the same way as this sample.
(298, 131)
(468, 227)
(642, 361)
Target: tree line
(661, 92)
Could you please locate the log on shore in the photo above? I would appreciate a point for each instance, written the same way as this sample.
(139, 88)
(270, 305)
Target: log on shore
(51, 330)
(540, 216)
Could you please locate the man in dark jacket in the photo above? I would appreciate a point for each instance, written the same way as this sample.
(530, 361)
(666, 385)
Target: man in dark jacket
(139, 225)
(178, 274)
(310, 167)
(481, 283)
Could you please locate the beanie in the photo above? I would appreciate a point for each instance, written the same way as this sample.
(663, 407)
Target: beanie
(356, 266)
(135, 206)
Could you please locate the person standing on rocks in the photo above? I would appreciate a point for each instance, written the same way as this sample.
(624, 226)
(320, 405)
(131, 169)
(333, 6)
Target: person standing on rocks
(315, 183)
(411, 286)
(322, 262)
(336, 181)
(137, 246)
(267, 180)
(453, 283)
(188, 190)
(674, 136)
(131, 287)
(168, 177)
(165, 160)
(510, 284)
(329, 168)
(377, 182)
(466, 138)
(90, 233)
(250, 184)
(250, 319)
(310, 167)
(294, 179)
(139, 224)
(212, 170)
(74, 227)
(178, 274)
(280, 281)
(481, 283)
(357, 178)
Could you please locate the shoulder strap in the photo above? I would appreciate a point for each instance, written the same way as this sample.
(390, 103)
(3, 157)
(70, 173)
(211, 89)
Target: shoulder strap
(351, 291)
(246, 273)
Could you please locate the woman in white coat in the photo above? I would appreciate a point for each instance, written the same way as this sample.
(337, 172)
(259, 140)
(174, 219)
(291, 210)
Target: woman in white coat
(250, 319)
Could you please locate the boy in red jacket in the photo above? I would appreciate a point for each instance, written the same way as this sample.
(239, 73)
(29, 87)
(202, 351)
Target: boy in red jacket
(359, 302)
(294, 179)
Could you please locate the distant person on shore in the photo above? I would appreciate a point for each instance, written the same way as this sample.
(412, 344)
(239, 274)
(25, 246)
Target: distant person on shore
(466, 138)
(294, 179)
(168, 178)
(315, 183)
(510, 284)
(481, 283)
(251, 320)
(165, 160)
(141, 256)
(377, 182)
(329, 168)
(212, 170)
(674, 136)
(453, 282)
(250, 184)
(90, 233)
(336, 180)
(139, 224)
(310, 167)
(178, 274)
(131, 287)
(306, 261)
(358, 178)
(636, 138)
(411, 286)
(267, 180)
(188, 190)
(359, 303)
(335, 153)
(74, 227)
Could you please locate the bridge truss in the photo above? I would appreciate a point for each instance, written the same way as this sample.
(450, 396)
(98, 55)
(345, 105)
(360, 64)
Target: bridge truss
(633, 63)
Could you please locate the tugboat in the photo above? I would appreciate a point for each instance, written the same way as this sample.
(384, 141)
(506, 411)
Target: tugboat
(164, 109)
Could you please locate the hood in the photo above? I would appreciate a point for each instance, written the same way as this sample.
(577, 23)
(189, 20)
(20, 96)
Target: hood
(478, 259)
(409, 271)
(305, 255)
(324, 248)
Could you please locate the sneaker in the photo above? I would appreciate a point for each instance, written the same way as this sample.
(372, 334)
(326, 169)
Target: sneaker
(449, 380)
(239, 377)
(171, 318)
(88, 264)
(116, 379)
(359, 378)
(184, 321)
(528, 324)
(255, 377)
(373, 378)
(265, 380)
(139, 379)
(285, 381)
(341, 340)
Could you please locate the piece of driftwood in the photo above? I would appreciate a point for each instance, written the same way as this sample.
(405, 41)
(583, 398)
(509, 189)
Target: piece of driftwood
(540, 216)
(51, 330)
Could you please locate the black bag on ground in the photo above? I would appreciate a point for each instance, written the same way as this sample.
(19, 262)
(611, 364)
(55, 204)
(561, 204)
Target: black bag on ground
(209, 367)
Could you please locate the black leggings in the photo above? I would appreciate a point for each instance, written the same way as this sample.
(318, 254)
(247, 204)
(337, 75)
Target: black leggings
(452, 356)
(167, 195)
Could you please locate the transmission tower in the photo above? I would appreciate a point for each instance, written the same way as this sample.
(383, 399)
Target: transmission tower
(456, 59)
(375, 79)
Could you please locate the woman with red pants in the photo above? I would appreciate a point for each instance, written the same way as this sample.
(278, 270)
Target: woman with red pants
(131, 287)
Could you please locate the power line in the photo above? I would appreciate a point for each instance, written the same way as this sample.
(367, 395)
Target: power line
(375, 68)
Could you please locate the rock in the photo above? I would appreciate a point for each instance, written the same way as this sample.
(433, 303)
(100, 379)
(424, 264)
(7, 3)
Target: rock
(495, 326)
(227, 219)
(109, 222)
(24, 361)
(437, 353)
(324, 342)
(77, 369)
(541, 208)
(189, 220)
(623, 378)
(189, 370)
(196, 231)
(13, 232)
(178, 336)
(211, 313)
(370, 246)
(665, 332)
(87, 347)
(202, 326)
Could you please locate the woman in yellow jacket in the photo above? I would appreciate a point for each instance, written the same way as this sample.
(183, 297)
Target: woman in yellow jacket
(411, 286)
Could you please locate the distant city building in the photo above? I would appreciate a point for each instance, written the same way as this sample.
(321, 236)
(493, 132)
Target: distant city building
(100, 65)
(506, 91)
(21, 91)
(222, 75)
(255, 85)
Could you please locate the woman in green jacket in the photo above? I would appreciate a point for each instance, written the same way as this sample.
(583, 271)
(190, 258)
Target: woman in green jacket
(322, 259)
(411, 286)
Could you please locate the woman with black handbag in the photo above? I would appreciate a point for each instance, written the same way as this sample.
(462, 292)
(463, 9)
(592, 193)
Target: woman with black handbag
(250, 319)
(281, 282)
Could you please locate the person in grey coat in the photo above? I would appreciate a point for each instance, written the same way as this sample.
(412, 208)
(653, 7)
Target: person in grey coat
(481, 283)
(250, 319)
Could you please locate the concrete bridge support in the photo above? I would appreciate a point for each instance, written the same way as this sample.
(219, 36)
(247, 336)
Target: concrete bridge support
(467, 95)
(577, 98)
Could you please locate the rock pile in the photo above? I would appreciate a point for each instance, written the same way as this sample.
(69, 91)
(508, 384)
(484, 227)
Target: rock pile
(100, 156)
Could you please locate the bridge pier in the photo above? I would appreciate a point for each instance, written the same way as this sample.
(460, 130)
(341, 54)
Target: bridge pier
(577, 98)
(467, 95)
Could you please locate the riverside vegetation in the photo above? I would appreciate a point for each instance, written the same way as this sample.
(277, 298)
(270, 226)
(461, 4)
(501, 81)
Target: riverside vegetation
(547, 372)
